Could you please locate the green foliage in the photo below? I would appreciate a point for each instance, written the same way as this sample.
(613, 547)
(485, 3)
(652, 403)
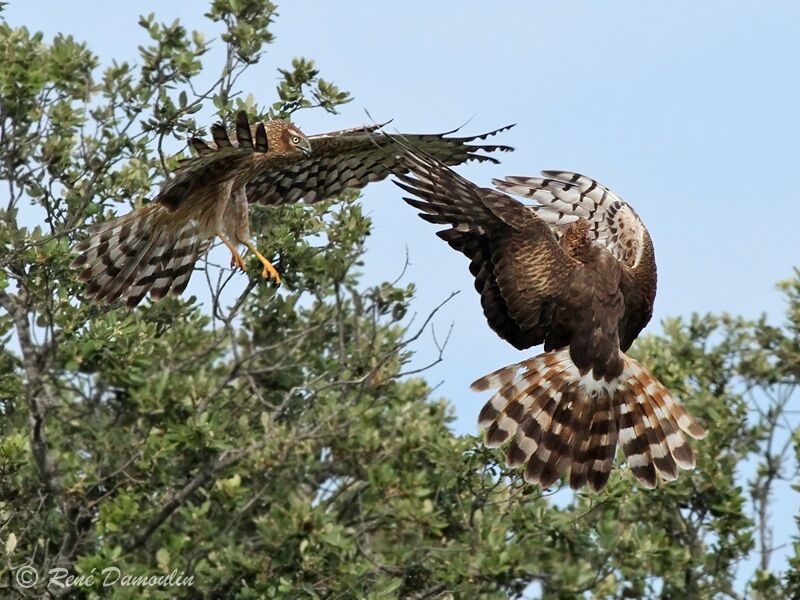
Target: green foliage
(246, 25)
(293, 92)
(270, 445)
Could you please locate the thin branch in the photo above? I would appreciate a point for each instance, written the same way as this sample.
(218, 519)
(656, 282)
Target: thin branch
(179, 498)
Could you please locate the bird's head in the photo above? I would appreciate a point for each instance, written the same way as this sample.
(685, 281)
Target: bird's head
(285, 138)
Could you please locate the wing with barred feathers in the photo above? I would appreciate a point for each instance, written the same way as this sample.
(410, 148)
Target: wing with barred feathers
(568, 409)
(153, 249)
(352, 158)
(555, 416)
(339, 160)
(566, 197)
(521, 272)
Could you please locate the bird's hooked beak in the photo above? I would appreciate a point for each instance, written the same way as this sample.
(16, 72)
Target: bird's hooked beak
(305, 147)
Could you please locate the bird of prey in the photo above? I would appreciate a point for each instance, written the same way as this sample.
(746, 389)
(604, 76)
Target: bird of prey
(577, 273)
(153, 249)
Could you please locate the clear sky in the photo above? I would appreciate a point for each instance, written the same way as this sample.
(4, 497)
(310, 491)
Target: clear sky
(688, 110)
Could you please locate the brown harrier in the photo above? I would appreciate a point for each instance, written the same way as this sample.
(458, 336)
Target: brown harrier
(577, 273)
(153, 249)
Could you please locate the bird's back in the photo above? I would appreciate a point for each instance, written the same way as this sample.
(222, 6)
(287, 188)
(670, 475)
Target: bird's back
(591, 313)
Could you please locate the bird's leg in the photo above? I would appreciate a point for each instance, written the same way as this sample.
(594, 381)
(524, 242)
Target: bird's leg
(236, 258)
(268, 271)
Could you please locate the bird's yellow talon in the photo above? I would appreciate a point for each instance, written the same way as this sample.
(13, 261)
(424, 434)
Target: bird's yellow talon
(238, 261)
(236, 258)
(268, 272)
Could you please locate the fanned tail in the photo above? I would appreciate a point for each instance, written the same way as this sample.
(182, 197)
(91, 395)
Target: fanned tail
(125, 258)
(558, 420)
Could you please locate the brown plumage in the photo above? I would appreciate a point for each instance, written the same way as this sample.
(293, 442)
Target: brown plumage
(577, 273)
(153, 250)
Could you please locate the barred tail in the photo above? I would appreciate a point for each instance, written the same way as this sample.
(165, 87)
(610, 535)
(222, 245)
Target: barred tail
(559, 420)
(142, 252)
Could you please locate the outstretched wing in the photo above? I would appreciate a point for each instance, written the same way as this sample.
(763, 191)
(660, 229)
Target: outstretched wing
(355, 157)
(520, 270)
(564, 198)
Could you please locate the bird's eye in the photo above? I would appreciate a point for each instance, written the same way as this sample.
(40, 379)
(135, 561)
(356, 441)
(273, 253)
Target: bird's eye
(295, 139)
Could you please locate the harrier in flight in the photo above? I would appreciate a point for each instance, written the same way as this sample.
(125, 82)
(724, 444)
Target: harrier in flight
(577, 273)
(153, 249)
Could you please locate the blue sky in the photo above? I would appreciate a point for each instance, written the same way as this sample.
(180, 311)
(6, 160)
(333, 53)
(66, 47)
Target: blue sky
(687, 110)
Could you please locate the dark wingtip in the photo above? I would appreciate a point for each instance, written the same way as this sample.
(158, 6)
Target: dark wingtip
(405, 182)
(220, 135)
(200, 146)
(482, 136)
(489, 134)
(262, 141)
(243, 134)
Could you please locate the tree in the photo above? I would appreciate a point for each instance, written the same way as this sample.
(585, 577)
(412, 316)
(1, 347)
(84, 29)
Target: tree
(270, 443)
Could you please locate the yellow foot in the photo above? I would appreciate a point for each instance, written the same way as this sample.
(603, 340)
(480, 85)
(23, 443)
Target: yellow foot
(236, 258)
(238, 261)
(268, 272)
